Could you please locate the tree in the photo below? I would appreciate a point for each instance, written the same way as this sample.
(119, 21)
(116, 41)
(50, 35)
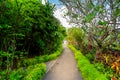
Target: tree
(98, 18)
(27, 29)
(76, 38)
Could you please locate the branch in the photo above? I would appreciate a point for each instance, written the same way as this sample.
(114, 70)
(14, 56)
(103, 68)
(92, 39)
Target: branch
(80, 7)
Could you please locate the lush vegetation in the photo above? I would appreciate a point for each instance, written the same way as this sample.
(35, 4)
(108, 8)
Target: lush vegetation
(30, 65)
(76, 37)
(29, 34)
(34, 72)
(89, 72)
(39, 59)
(107, 63)
(97, 33)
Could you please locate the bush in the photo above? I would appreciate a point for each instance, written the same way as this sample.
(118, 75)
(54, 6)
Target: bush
(89, 72)
(27, 26)
(106, 70)
(17, 74)
(35, 72)
(90, 56)
(39, 59)
(3, 75)
(76, 36)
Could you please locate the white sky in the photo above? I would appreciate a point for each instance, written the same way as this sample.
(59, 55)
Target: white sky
(43, 1)
(59, 14)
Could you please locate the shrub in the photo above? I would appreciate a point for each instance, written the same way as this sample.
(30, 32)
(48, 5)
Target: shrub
(3, 75)
(17, 74)
(39, 59)
(90, 56)
(35, 72)
(110, 73)
(99, 67)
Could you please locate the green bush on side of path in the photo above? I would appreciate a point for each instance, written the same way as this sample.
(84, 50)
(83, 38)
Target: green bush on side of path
(34, 72)
(89, 72)
(35, 68)
(39, 59)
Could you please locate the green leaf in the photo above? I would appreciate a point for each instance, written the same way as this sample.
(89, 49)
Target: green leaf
(68, 13)
(75, 16)
(117, 12)
(102, 23)
(90, 16)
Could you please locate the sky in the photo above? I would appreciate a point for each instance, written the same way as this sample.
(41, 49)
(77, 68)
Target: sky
(57, 2)
(59, 12)
(54, 1)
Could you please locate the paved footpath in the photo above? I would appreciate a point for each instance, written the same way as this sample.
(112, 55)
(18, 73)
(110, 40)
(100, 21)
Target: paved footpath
(65, 68)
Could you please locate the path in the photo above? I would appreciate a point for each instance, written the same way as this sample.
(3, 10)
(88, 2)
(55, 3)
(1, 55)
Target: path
(65, 68)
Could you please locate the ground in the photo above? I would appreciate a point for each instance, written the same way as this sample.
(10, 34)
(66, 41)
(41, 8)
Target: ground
(65, 68)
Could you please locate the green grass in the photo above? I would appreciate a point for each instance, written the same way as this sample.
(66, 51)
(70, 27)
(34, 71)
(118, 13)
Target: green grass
(89, 72)
(34, 72)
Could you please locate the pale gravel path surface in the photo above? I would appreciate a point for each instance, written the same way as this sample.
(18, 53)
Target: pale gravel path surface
(65, 68)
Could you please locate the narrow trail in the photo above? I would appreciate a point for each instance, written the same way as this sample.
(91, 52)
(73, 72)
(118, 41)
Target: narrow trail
(65, 68)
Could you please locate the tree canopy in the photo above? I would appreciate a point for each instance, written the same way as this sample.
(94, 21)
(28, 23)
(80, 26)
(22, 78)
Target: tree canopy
(27, 29)
(98, 18)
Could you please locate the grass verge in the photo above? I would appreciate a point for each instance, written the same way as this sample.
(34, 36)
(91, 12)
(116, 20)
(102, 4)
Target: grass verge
(89, 72)
(34, 72)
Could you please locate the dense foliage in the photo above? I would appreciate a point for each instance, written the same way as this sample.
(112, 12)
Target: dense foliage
(107, 63)
(76, 37)
(100, 20)
(35, 72)
(27, 65)
(39, 59)
(27, 29)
